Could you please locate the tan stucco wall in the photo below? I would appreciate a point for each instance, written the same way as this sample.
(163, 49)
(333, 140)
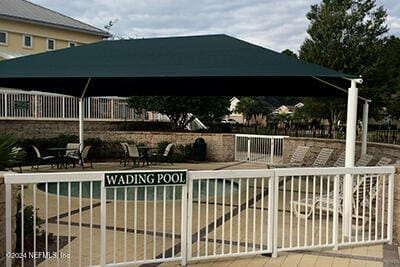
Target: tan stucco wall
(40, 34)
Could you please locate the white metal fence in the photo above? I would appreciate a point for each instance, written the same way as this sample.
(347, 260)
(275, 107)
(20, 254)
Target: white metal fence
(216, 214)
(259, 148)
(309, 210)
(17, 104)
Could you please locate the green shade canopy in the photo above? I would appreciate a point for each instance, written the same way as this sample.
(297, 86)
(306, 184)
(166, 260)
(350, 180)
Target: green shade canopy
(203, 65)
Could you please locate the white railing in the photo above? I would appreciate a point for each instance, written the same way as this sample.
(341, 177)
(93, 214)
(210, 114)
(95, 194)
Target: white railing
(17, 105)
(309, 210)
(259, 148)
(221, 213)
(234, 222)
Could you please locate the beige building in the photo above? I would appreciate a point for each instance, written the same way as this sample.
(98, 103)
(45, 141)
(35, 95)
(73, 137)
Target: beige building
(27, 28)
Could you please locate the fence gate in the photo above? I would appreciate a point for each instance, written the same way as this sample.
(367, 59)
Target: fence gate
(229, 213)
(259, 148)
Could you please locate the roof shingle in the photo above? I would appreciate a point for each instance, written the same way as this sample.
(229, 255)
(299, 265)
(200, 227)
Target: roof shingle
(27, 11)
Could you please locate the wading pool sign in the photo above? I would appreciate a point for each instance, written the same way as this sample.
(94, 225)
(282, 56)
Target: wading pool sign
(121, 179)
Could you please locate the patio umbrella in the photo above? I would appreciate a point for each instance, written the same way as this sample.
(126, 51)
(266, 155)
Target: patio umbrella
(201, 65)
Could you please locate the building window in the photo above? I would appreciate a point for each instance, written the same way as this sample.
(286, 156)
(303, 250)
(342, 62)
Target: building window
(3, 38)
(26, 41)
(51, 44)
(71, 44)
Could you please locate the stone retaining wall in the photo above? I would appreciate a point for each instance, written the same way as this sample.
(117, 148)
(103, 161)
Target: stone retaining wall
(220, 147)
(376, 149)
(53, 128)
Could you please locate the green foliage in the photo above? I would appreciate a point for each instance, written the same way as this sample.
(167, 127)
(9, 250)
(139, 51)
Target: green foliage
(348, 36)
(29, 223)
(181, 110)
(289, 52)
(11, 154)
(391, 80)
(250, 107)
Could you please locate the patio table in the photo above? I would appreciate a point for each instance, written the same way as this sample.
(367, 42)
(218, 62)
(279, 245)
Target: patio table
(145, 150)
(60, 156)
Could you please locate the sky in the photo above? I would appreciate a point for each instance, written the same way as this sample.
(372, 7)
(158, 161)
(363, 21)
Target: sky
(273, 24)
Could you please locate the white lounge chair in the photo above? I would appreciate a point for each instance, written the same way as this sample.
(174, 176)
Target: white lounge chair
(363, 161)
(322, 158)
(383, 161)
(297, 159)
(364, 193)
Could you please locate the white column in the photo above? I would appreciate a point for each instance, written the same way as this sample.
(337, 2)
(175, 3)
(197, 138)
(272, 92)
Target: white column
(364, 128)
(81, 114)
(351, 124)
(81, 110)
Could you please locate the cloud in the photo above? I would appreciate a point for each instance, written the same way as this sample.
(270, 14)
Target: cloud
(276, 25)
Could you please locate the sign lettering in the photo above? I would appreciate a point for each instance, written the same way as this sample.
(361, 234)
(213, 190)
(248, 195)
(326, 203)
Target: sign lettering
(120, 179)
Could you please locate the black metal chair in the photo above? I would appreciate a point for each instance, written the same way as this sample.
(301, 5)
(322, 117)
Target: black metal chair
(41, 159)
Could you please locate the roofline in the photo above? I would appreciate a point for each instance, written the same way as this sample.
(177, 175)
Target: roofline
(54, 25)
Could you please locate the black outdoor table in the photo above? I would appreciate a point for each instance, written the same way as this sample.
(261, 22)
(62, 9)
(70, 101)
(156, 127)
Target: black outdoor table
(60, 155)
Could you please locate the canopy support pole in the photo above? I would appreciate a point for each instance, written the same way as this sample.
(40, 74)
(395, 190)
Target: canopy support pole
(351, 124)
(81, 111)
(364, 128)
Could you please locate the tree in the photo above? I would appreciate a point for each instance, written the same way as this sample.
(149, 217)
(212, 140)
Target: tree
(289, 52)
(330, 109)
(348, 36)
(251, 107)
(391, 79)
(181, 110)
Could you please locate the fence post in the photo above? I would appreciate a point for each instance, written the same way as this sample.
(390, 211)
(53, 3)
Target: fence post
(8, 225)
(5, 105)
(248, 148)
(275, 196)
(335, 211)
(103, 221)
(184, 224)
(390, 208)
(272, 150)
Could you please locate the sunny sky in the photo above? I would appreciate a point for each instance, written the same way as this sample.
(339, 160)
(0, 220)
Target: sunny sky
(277, 25)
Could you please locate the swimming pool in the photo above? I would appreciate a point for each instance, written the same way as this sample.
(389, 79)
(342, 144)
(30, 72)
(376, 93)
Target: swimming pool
(214, 186)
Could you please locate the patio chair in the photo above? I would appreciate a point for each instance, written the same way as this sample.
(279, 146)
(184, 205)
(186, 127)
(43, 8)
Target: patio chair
(124, 153)
(135, 155)
(363, 161)
(340, 160)
(322, 158)
(364, 193)
(165, 156)
(72, 149)
(81, 157)
(42, 159)
(383, 161)
(297, 159)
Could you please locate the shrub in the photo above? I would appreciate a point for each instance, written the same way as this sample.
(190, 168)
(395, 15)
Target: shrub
(11, 154)
(29, 230)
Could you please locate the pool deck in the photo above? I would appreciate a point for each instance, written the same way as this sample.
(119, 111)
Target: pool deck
(370, 255)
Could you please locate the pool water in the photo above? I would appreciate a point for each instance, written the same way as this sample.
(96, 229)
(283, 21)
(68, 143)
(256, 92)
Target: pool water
(141, 191)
